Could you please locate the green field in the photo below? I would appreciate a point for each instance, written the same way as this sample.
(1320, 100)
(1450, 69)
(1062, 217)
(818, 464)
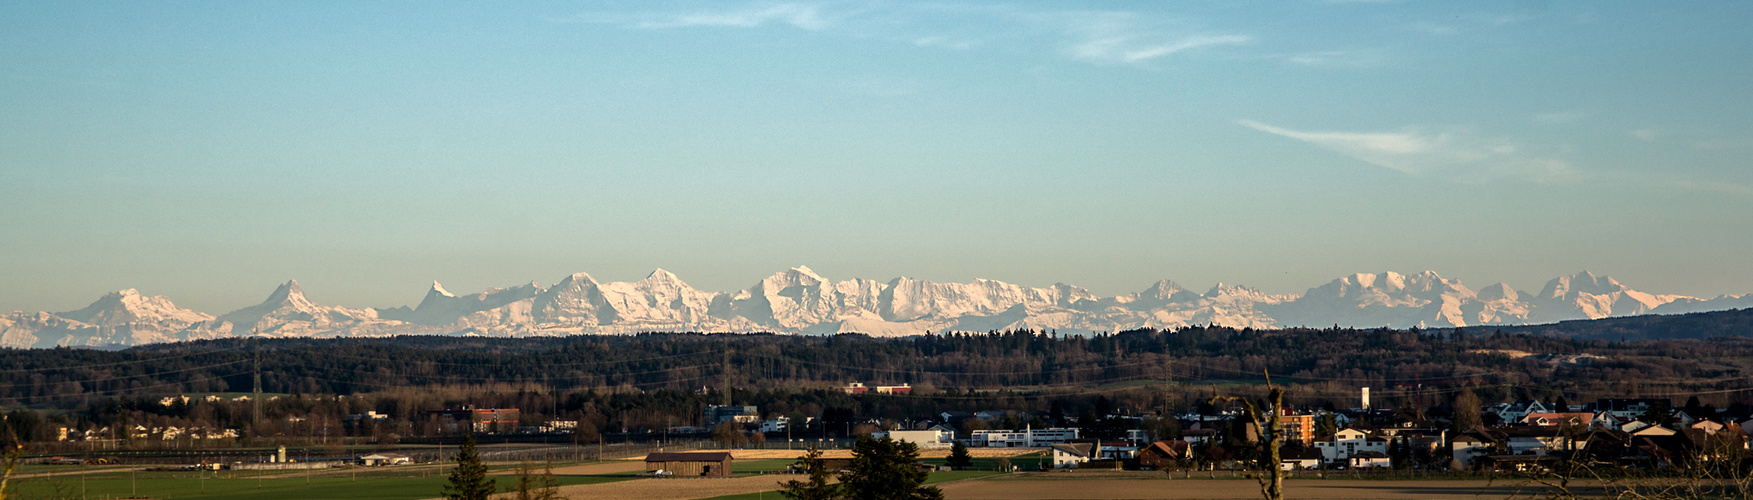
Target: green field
(1030, 461)
(373, 484)
(758, 466)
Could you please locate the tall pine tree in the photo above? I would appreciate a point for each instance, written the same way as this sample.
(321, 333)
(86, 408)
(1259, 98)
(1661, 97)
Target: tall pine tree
(817, 487)
(959, 458)
(468, 481)
(883, 469)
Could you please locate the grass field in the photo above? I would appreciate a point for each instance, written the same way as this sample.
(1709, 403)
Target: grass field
(620, 480)
(413, 482)
(372, 484)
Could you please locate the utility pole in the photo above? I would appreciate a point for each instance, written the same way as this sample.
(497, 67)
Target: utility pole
(727, 373)
(256, 399)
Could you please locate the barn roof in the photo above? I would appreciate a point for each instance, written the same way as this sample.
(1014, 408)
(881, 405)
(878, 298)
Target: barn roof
(695, 456)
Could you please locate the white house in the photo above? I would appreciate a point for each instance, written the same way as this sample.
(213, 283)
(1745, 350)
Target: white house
(377, 459)
(1515, 412)
(925, 439)
(1348, 442)
(1535, 439)
(1301, 458)
(1470, 446)
(1066, 456)
(1366, 459)
(1117, 452)
(777, 424)
(1627, 408)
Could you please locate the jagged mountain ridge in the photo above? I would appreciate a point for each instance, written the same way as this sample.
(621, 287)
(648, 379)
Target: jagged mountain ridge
(800, 301)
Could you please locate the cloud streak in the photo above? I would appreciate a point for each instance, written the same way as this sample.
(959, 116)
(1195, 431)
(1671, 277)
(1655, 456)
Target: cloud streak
(1098, 37)
(802, 16)
(1457, 155)
(1127, 38)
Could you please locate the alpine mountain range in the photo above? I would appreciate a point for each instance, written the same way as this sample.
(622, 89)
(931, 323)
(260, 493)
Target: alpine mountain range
(798, 301)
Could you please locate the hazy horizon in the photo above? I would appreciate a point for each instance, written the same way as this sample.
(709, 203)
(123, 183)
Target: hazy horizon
(209, 151)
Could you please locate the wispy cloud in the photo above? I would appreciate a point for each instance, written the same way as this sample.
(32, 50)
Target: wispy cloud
(1336, 59)
(1454, 154)
(1121, 37)
(1101, 37)
(802, 16)
(1126, 50)
(1471, 22)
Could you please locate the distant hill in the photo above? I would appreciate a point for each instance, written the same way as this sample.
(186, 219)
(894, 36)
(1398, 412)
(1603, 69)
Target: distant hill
(1702, 325)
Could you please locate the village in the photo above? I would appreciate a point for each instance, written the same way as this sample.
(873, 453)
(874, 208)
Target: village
(1634, 433)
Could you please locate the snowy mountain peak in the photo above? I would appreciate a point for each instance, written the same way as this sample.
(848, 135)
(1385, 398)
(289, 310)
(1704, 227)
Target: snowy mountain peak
(288, 313)
(439, 290)
(1164, 290)
(661, 276)
(576, 278)
(1222, 289)
(128, 306)
(1583, 282)
(800, 301)
(287, 293)
(796, 276)
(1500, 291)
(806, 271)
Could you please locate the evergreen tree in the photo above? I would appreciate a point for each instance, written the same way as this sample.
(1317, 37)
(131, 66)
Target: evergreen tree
(1326, 425)
(1658, 413)
(884, 469)
(959, 458)
(1398, 455)
(817, 487)
(468, 481)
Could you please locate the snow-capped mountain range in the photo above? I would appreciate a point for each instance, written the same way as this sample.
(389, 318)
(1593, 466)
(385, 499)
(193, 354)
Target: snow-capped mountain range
(800, 301)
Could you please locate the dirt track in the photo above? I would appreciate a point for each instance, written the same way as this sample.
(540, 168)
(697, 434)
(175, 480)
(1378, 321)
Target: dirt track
(1189, 489)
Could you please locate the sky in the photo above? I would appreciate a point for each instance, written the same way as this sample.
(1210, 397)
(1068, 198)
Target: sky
(208, 151)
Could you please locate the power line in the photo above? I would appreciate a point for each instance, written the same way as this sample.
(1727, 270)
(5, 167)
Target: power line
(955, 372)
(551, 365)
(115, 392)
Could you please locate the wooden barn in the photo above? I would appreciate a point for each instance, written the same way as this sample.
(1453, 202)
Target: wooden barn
(696, 463)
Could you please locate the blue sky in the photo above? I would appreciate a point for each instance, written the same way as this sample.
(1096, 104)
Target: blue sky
(207, 151)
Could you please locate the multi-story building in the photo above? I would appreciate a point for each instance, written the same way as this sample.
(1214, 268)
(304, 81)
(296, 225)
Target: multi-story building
(718, 414)
(1022, 438)
(927, 439)
(484, 420)
(1348, 442)
(1298, 427)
